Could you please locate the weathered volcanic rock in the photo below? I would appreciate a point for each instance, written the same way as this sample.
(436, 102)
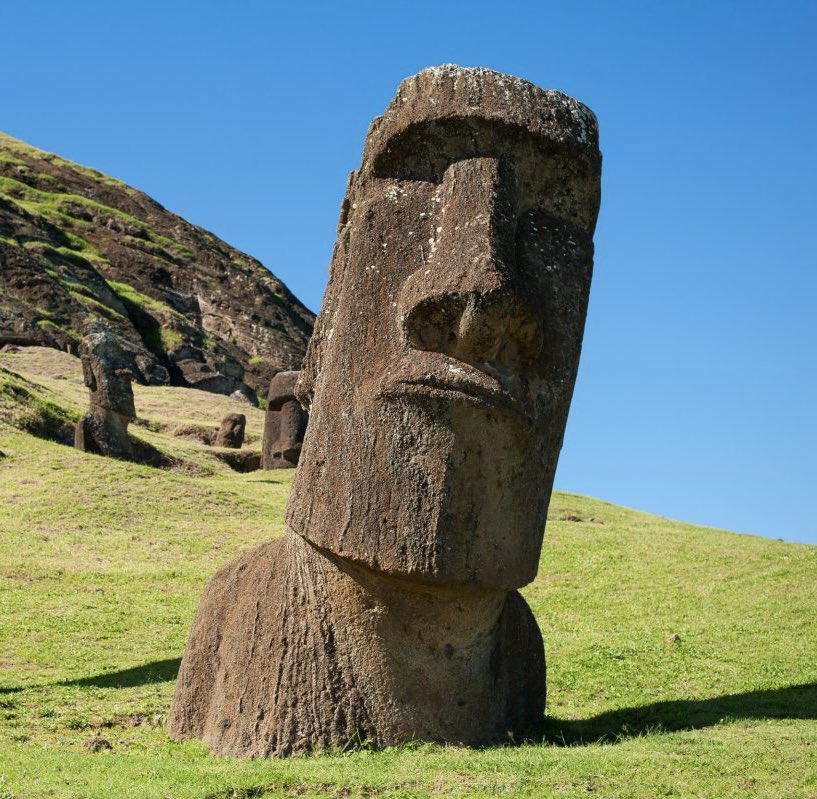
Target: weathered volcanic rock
(231, 432)
(107, 373)
(78, 248)
(327, 653)
(438, 381)
(284, 424)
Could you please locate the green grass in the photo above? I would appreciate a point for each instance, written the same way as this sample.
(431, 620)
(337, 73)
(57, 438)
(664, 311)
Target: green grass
(63, 255)
(60, 207)
(64, 330)
(94, 305)
(162, 339)
(7, 159)
(682, 661)
(130, 294)
(8, 145)
(31, 407)
(165, 337)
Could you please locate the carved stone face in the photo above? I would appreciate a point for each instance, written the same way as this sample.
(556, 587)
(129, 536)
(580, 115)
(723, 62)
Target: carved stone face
(445, 353)
(284, 424)
(231, 431)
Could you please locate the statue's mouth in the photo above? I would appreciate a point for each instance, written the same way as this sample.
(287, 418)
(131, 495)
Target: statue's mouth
(434, 375)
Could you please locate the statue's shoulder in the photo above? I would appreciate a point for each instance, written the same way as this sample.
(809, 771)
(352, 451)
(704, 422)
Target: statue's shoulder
(259, 563)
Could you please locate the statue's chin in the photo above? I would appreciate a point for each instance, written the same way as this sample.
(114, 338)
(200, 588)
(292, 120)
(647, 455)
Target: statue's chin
(426, 489)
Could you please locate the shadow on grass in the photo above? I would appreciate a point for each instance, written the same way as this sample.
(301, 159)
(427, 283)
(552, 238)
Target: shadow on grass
(792, 702)
(158, 671)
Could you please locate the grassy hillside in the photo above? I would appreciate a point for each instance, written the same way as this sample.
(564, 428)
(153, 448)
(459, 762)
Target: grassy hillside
(682, 661)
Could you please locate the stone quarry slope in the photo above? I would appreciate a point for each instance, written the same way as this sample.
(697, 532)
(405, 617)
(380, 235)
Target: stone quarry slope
(80, 250)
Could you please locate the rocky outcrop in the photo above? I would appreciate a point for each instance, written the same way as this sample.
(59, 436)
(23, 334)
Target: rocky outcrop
(80, 251)
(438, 381)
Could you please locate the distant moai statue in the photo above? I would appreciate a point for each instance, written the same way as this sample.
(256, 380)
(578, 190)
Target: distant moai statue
(105, 368)
(284, 424)
(438, 379)
(231, 432)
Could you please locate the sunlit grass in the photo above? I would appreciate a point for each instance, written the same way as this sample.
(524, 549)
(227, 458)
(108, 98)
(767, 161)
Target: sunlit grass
(682, 661)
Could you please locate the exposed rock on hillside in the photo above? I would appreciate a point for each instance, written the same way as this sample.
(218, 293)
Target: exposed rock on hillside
(81, 251)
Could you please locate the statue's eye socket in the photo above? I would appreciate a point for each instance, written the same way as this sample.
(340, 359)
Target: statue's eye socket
(425, 150)
(407, 163)
(552, 180)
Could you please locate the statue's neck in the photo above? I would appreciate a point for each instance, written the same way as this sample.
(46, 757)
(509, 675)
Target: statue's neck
(438, 614)
(416, 647)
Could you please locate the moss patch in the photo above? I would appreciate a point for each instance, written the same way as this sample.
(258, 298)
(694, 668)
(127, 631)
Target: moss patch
(129, 294)
(162, 339)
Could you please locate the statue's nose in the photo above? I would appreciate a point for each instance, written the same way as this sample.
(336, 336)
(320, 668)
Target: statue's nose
(468, 300)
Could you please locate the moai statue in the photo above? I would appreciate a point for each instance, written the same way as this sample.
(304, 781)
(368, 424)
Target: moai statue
(105, 368)
(231, 432)
(438, 380)
(284, 424)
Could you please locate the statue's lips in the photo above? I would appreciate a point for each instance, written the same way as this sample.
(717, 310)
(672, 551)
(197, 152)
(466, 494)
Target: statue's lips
(442, 377)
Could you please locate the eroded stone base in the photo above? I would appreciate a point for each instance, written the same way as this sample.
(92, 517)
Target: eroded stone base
(104, 432)
(292, 651)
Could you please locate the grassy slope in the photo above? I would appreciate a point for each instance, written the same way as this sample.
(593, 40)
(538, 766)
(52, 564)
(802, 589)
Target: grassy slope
(102, 563)
(161, 410)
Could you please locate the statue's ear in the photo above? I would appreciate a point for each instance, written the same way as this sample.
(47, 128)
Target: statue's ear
(325, 323)
(88, 374)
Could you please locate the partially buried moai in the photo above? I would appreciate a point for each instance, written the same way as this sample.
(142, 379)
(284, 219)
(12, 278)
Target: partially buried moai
(107, 374)
(231, 431)
(284, 424)
(438, 380)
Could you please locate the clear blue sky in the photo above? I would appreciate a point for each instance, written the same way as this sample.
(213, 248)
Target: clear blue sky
(697, 391)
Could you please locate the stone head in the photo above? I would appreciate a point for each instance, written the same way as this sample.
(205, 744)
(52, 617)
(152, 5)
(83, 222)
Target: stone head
(232, 429)
(444, 356)
(281, 390)
(234, 421)
(107, 374)
(286, 422)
